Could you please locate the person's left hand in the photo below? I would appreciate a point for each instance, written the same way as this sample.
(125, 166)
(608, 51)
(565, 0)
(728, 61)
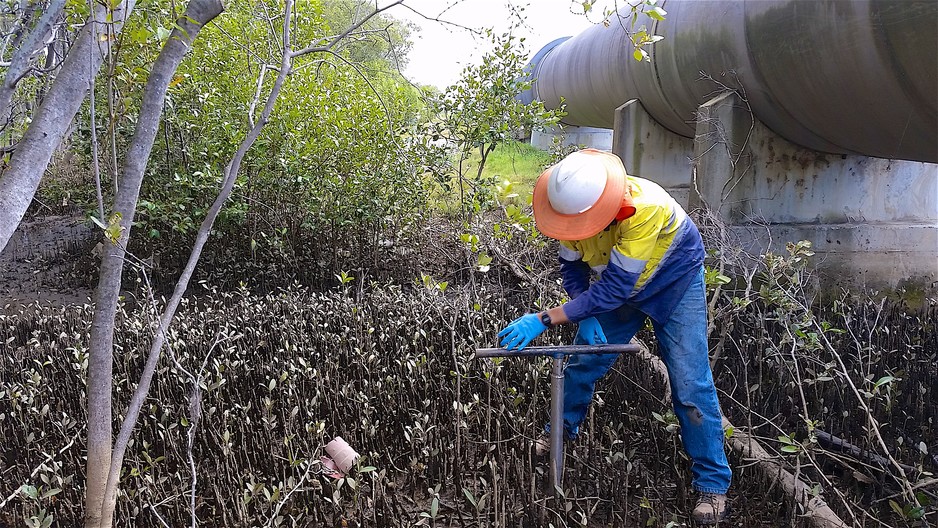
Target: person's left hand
(521, 331)
(590, 332)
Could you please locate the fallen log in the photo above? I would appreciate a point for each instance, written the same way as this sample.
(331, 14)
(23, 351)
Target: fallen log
(816, 509)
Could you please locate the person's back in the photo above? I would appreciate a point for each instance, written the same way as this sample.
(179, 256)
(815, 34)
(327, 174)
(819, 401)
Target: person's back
(658, 241)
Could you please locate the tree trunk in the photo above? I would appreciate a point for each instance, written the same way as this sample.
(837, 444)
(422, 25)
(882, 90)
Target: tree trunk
(101, 351)
(19, 64)
(205, 229)
(19, 181)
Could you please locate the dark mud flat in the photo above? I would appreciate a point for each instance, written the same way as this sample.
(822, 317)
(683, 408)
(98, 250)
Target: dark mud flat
(41, 260)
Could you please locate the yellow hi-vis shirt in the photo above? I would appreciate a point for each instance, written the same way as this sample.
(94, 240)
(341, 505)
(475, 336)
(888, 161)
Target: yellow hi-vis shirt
(646, 261)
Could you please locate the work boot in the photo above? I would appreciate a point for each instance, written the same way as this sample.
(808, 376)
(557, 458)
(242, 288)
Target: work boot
(712, 508)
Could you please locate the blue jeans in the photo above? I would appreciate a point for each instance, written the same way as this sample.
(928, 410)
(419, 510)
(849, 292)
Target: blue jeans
(683, 344)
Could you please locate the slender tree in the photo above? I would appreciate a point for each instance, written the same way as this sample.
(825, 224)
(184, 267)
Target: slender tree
(101, 500)
(99, 508)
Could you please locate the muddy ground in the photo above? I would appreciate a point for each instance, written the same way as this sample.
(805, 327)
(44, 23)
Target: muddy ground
(39, 263)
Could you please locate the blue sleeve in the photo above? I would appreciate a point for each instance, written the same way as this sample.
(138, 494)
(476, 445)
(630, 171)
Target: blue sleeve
(575, 275)
(608, 293)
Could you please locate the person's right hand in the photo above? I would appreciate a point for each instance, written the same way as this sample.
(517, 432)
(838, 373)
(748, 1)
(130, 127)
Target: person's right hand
(521, 331)
(590, 332)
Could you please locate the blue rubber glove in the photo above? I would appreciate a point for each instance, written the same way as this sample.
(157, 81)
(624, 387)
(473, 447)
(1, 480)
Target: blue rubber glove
(521, 331)
(590, 332)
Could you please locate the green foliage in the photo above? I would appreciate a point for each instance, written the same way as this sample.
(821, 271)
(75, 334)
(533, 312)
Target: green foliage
(43, 517)
(640, 37)
(179, 204)
(713, 278)
(668, 420)
(628, 18)
(432, 284)
(112, 229)
(912, 512)
(338, 152)
(475, 118)
(789, 444)
(515, 161)
(479, 113)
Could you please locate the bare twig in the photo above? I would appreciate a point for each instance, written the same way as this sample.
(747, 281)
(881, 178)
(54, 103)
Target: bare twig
(96, 167)
(158, 516)
(286, 497)
(871, 421)
(333, 41)
(257, 92)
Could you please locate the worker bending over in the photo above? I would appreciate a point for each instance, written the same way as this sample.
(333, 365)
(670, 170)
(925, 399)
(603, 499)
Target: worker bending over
(647, 257)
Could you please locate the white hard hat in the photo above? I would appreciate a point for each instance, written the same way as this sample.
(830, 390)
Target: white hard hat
(581, 195)
(576, 183)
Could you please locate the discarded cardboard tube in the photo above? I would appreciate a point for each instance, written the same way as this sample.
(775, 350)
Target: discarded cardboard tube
(342, 454)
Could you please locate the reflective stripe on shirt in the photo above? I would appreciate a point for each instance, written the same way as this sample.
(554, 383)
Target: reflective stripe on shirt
(569, 254)
(632, 265)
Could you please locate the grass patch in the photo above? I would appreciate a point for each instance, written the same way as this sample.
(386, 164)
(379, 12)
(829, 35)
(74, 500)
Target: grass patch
(518, 162)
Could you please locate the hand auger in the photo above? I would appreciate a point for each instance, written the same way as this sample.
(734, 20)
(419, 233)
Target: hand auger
(556, 390)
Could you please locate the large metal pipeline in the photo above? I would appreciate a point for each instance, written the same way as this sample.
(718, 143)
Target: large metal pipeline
(841, 76)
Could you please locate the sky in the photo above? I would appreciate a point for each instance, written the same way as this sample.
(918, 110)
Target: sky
(440, 51)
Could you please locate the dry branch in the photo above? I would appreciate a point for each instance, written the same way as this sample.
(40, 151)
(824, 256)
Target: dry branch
(829, 441)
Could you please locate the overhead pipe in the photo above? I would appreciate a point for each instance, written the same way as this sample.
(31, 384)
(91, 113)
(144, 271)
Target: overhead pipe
(847, 77)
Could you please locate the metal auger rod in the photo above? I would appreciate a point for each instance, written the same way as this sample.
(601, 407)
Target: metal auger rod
(556, 390)
(556, 426)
